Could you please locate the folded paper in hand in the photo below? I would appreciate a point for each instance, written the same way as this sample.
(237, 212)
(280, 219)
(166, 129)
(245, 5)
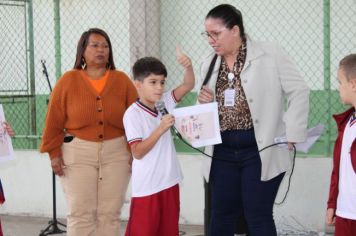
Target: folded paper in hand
(312, 135)
(198, 124)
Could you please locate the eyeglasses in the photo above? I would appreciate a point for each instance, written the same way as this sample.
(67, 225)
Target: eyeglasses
(214, 35)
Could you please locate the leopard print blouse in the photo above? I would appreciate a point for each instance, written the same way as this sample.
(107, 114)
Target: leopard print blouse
(237, 117)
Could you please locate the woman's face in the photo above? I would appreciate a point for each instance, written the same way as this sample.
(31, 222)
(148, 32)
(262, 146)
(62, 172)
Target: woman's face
(220, 38)
(97, 51)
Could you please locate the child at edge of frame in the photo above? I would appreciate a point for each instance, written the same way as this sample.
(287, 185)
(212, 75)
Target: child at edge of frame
(7, 130)
(341, 205)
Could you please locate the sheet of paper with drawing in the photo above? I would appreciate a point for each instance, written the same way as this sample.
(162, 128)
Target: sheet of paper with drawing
(198, 124)
(6, 149)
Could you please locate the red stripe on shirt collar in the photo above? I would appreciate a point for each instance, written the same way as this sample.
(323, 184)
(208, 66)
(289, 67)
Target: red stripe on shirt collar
(146, 108)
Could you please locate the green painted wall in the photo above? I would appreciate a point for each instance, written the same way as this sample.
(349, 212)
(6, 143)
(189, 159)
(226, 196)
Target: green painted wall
(17, 111)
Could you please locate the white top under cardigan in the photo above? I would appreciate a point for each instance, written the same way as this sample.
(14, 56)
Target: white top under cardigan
(268, 77)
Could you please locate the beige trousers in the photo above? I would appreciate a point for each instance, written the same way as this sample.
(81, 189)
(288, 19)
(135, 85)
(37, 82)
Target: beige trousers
(94, 183)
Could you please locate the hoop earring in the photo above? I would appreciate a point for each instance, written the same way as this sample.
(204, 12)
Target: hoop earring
(83, 64)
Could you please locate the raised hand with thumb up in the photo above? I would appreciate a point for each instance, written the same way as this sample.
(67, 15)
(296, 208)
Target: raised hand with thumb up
(188, 79)
(182, 58)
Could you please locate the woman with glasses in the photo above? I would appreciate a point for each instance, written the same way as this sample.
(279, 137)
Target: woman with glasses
(85, 138)
(252, 82)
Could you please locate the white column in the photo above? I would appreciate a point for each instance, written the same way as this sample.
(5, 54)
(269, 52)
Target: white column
(144, 29)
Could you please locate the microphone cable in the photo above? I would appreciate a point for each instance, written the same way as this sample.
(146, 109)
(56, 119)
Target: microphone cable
(176, 132)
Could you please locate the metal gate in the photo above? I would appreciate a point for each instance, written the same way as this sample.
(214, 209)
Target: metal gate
(17, 87)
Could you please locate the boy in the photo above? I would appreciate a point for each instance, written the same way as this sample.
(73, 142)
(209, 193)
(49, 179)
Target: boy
(342, 197)
(155, 169)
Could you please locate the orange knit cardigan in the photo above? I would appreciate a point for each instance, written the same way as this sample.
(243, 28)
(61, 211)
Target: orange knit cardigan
(76, 108)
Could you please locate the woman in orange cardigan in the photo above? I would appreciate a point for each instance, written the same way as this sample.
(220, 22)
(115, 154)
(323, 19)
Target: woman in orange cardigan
(84, 136)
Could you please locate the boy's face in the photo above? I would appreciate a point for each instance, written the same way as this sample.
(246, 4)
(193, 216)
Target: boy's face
(151, 89)
(347, 88)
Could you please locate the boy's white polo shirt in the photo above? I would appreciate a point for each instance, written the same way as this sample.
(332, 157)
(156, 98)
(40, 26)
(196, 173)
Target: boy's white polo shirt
(159, 169)
(346, 204)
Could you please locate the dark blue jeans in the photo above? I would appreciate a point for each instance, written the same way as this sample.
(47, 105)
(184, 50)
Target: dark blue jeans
(236, 187)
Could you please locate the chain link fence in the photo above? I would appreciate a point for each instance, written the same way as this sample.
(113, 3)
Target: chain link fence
(316, 34)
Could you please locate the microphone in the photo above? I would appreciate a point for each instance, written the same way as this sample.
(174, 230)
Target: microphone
(161, 108)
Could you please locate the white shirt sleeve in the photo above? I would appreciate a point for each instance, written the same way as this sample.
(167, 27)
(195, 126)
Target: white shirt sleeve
(169, 100)
(132, 124)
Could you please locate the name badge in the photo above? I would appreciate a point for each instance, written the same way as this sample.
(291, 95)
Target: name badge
(229, 100)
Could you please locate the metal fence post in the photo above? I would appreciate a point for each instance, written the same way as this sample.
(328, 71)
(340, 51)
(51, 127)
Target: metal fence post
(326, 26)
(57, 37)
(32, 97)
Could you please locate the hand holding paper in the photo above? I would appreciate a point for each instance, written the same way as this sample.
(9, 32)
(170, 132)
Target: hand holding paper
(6, 149)
(199, 124)
(9, 130)
(312, 135)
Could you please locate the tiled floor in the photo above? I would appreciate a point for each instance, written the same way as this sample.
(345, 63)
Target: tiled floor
(32, 226)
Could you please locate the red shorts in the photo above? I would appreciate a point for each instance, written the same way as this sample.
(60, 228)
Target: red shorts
(155, 215)
(345, 227)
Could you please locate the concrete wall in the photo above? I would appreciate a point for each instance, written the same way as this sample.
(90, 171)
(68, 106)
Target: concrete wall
(27, 183)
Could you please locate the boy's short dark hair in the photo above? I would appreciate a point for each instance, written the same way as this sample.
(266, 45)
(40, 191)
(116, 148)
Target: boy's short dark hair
(145, 66)
(348, 65)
